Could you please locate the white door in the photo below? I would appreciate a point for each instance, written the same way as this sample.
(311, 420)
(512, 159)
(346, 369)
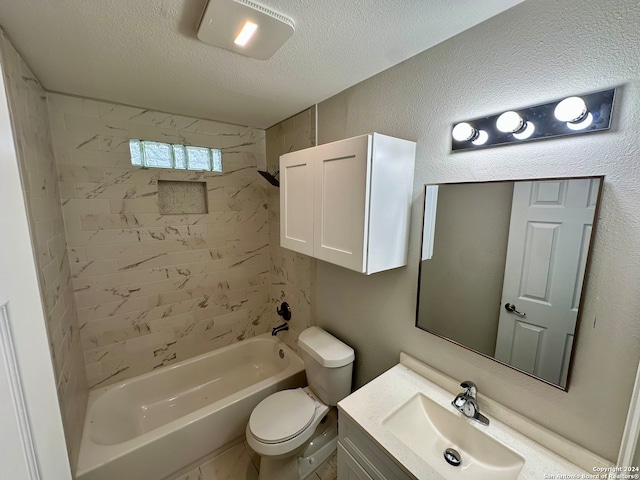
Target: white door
(296, 202)
(32, 444)
(342, 202)
(549, 235)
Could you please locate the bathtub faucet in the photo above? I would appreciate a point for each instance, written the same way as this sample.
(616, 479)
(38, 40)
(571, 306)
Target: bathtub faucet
(280, 328)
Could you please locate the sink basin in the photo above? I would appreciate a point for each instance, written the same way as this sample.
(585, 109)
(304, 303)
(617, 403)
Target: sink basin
(429, 429)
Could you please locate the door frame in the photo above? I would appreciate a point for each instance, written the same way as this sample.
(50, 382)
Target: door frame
(631, 433)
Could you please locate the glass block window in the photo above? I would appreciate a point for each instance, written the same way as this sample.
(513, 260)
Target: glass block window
(146, 153)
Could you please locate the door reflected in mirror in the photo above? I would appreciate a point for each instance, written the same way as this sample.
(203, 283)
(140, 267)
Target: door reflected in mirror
(503, 267)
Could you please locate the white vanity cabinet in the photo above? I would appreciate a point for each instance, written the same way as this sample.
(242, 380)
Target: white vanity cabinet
(361, 458)
(348, 202)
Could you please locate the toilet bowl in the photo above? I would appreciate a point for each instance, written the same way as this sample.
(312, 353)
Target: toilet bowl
(294, 431)
(284, 422)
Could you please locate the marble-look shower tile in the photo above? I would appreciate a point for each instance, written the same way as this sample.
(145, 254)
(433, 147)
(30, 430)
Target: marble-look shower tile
(291, 274)
(114, 111)
(94, 158)
(200, 281)
(69, 104)
(30, 120)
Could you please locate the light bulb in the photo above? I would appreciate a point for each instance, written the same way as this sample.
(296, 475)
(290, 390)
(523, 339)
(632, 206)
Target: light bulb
(526, 132)
(581, 125)
(509, 122)
(463, 132)
(482, 138)
(572, 109)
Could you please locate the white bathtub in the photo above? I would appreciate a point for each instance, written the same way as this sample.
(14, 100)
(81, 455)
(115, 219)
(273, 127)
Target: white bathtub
(154, 425)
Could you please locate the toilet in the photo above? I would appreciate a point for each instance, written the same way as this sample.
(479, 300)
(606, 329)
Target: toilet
(294, 431)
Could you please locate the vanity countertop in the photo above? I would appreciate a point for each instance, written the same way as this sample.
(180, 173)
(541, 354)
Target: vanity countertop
(375, 401)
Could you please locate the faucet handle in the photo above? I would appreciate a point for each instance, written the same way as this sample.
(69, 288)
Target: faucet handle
(470, 387)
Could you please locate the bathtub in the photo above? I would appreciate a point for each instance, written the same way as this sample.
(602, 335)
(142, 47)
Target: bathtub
(155, 425)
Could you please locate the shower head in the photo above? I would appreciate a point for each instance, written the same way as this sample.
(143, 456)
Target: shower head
(271, 178)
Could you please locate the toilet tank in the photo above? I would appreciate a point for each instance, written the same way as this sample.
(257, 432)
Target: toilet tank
(328, 363)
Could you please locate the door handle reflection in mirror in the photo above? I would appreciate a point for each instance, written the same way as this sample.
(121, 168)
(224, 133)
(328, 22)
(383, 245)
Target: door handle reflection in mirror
(510, 307)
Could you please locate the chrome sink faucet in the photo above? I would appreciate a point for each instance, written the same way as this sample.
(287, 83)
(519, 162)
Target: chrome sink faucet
(467, 404)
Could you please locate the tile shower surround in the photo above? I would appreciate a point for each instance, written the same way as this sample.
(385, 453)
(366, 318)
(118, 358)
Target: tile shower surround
(28, 106)
(155, 289)
(292, 274)
(150, 290)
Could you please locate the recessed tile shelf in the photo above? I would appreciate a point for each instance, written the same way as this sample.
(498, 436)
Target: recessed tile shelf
(179, 198)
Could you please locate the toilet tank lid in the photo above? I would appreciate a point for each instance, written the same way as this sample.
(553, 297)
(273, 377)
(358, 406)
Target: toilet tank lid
(325, 348)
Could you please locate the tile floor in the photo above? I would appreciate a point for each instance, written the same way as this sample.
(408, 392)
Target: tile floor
(237, 463)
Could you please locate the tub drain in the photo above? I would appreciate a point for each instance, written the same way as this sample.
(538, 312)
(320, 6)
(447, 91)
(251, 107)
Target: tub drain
(452, 457)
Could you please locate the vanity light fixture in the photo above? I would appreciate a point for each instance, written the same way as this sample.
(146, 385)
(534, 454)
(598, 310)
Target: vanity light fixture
(245, 27)
(512, 122)
(465, 132)
(569, 116)
(574, 111)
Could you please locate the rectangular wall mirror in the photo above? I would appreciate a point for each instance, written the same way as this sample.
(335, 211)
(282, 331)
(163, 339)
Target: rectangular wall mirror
(503, 268)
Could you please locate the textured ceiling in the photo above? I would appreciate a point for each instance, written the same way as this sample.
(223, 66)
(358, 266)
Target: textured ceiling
(145, 52)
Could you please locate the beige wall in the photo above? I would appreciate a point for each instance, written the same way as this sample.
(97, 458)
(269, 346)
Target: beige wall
(536, 52)
(154, 289)
(28, 105)
(291, 273)
(461, 285)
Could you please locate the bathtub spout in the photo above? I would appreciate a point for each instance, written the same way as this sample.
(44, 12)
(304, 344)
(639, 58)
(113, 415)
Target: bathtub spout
(280, 328)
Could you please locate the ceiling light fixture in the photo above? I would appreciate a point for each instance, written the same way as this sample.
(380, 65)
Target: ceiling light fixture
(244, 27)
(573, 115)
(246, 33)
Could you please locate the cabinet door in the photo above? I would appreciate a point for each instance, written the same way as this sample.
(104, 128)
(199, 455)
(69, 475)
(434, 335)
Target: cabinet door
(341, 203)
(296, 202)
(348, 468)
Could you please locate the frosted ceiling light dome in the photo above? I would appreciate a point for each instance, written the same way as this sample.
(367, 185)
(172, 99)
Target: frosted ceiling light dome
(510, 122)
(572, 109)
(463, 132)
(244, 27)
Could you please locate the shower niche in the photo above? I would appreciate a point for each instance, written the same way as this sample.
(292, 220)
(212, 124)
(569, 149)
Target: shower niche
(182, 198)
(348, 202)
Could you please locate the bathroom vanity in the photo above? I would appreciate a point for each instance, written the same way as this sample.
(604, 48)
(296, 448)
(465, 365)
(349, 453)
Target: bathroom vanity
(399, 425)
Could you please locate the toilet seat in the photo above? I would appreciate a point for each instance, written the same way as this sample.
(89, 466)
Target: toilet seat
(282, 416)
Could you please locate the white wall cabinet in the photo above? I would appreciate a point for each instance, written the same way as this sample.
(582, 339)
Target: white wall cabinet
(348, 202)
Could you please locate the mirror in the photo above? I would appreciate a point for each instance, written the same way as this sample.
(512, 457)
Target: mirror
(503, 267)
